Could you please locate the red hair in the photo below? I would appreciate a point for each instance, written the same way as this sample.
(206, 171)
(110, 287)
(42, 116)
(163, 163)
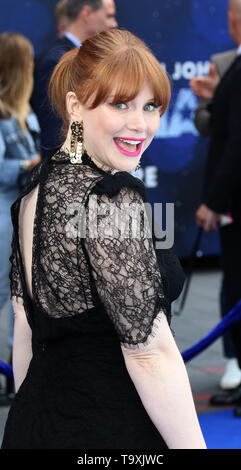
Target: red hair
(112, 61)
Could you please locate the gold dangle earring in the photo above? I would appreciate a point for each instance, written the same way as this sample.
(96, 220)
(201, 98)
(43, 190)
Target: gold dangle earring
(76, 143)
(138, 165)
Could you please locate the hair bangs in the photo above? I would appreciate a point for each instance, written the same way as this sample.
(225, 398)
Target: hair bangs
(113, 65)
(119, 80)
(122, 79)
(129, 79)
(158, 80)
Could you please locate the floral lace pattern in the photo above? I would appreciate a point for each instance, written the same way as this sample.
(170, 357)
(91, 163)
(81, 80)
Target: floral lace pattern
(71, 274)
(126, 273)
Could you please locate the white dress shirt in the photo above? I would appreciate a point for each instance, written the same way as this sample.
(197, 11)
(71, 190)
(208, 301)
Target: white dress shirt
(73, 39)
(239, 50)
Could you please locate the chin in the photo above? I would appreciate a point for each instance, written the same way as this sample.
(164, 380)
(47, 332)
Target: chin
(126, 166)
(125, 163)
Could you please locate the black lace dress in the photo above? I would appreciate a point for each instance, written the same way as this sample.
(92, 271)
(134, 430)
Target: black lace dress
(89, 294)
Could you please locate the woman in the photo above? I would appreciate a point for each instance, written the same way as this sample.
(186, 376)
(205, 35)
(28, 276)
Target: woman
(18, 153)
(96, 365)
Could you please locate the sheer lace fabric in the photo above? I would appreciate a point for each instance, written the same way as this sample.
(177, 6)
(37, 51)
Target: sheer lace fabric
(67, 274)
(82, 296)
(124, 265)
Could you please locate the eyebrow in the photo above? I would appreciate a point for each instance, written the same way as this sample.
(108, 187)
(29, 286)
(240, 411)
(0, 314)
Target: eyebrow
(111, 97)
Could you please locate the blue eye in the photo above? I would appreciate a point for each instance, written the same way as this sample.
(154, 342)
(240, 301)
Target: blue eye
(150, 107)
(120, 105)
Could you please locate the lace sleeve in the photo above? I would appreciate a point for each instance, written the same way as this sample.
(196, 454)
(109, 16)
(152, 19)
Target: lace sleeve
(124, 264)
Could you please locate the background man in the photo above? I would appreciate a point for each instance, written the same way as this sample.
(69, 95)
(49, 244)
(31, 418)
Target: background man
(222, 181)
(61, 18)
(220, 63)
(84, 19)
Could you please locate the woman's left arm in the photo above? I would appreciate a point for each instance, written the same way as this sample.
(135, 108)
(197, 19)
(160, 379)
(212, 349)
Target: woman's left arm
(22, 343)
(22, 335)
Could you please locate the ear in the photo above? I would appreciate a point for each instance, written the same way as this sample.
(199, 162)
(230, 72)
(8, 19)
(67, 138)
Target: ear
(86, 12)
(73, 106)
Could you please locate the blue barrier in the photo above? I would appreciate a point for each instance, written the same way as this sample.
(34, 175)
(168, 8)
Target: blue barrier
(232, 317)
(5, 369)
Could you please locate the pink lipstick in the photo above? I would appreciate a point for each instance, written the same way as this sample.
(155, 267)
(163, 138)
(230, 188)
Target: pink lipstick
(128, 142)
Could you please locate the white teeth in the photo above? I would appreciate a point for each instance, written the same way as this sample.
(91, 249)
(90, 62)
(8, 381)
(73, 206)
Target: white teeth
(132, 142)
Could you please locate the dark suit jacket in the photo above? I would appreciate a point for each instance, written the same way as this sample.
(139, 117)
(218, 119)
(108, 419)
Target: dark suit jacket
(50, 123)
(222, 187)
(222, 62)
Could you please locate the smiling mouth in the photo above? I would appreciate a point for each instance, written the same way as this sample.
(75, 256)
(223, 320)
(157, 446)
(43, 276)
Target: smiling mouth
(129, 147)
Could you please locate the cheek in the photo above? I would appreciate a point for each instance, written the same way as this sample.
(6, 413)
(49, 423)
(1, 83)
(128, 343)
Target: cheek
(91, 136)
(109, 125)
(153, 126)
(100, 22)
(100, 128)
(102, 124)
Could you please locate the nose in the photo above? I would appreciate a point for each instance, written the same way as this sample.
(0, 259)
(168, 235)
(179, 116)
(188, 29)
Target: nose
(113, 23)
(136, 121)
